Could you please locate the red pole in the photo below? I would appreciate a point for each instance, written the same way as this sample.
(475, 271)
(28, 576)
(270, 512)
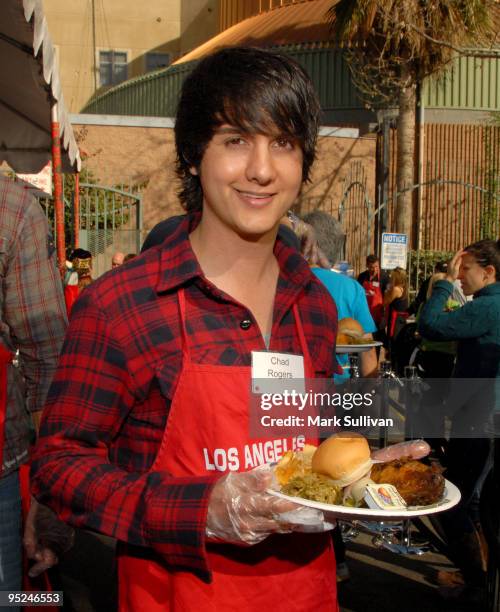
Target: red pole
(76, 212)
(58, 192)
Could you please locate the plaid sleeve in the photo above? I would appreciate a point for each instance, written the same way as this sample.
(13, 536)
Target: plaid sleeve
(91, 395)
(34, 304)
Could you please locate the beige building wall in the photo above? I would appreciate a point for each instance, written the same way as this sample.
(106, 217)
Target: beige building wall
(199, 22)
(137, 28)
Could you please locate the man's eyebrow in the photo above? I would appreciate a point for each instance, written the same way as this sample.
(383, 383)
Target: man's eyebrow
(227, 129)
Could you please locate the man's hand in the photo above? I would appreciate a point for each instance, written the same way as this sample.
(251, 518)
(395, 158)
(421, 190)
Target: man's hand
(241, 512)
(454, 266)
(368, 361)
(36, 417)
(45, 538)
(308, 242)
(309, 245)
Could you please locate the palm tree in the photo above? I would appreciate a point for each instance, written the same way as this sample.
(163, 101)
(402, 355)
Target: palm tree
(390, 46)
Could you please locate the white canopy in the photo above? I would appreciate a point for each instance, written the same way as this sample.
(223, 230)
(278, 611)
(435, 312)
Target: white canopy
(29, 86)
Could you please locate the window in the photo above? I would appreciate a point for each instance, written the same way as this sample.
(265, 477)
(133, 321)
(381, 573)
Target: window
(112, 67)
(157, 60)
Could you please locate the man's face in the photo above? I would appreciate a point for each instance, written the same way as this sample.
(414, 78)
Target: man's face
(249, 181)
(117, 260)
(373, 268)
(471, 275)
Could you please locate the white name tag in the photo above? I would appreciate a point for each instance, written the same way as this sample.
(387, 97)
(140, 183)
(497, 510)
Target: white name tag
(375, 283)
(276, 367)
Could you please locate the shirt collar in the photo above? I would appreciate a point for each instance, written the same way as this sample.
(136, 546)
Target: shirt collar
(492, 289)
(178, 263)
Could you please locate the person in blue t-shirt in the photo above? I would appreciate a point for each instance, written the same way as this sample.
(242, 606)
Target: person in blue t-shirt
(350, 299)
(351, 302)
(348, 294)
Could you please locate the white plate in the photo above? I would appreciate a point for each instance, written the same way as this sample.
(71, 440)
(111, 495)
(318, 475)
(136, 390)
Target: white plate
(355, 348)
(450, 498)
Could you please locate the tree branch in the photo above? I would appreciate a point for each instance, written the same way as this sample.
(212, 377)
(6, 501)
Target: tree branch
(443, 43)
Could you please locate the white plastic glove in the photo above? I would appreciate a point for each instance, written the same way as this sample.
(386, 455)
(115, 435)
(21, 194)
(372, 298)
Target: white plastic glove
(415, 449)
(240, 511)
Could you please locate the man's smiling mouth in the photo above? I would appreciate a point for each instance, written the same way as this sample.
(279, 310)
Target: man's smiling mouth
(254, 194)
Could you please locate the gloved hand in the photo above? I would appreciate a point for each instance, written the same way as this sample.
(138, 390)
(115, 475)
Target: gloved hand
(45, 538)
(414, 449)
(240, 511)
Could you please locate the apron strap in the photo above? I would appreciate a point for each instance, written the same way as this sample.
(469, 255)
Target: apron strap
(182, 317)
(308, 364)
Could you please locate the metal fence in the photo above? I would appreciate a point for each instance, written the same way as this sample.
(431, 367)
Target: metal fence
(360, 220)
(456, 201)
(110, 221)
(355, 212)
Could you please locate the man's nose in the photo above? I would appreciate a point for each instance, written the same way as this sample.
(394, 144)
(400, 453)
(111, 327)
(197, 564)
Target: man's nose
(260, 165)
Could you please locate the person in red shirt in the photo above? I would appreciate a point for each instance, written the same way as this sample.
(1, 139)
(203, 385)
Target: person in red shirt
(145, 435)
(374, 282)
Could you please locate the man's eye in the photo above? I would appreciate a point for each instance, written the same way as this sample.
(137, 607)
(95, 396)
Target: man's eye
(284, 143)
(235, 141)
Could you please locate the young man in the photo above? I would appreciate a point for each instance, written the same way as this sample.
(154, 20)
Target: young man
(146, 434)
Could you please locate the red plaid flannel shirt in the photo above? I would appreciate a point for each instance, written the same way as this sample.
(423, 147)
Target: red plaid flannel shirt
(109, 402)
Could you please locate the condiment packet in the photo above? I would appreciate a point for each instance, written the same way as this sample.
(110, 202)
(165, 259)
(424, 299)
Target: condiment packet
(383, 497)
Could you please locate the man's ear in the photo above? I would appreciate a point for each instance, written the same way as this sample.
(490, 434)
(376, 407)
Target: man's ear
(193, 170)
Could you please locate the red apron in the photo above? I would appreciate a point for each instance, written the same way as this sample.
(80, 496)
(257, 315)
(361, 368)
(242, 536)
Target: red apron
(375, 299)
(70, 295)
(5, 358)
(284, 572)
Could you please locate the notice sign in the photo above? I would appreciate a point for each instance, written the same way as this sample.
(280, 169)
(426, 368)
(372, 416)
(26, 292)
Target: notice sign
(394, 251)
(41, 183)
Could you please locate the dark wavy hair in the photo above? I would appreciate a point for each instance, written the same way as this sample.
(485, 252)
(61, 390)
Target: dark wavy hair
(486, 253)
(254, 90)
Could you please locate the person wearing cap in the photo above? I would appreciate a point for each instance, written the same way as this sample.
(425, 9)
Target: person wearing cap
(80, 277)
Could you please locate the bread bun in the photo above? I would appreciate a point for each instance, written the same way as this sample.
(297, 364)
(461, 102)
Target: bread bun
(344, 457)
(349, 327)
